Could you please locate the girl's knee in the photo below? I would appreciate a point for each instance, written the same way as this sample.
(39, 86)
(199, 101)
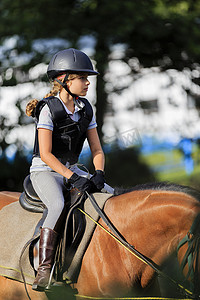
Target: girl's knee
(58, 208)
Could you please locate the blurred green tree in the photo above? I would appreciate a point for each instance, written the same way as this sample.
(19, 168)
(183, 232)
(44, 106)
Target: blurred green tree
(162, 33)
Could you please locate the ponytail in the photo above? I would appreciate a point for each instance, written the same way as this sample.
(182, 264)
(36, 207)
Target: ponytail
(31, 105)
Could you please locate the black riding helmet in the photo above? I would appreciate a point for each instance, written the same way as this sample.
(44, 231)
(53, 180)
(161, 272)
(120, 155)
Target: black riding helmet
(69, 61)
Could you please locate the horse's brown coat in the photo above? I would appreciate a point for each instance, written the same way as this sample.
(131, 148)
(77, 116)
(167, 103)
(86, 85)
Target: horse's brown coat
(7, 198)
(153, 221)
(14, 290)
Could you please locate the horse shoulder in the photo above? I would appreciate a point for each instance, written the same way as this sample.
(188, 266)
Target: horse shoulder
(103, 267)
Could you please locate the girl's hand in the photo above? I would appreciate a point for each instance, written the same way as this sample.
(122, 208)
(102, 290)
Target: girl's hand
(81, 183)
(98, 180)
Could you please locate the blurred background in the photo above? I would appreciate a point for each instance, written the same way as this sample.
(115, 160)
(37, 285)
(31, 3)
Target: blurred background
(146, 98)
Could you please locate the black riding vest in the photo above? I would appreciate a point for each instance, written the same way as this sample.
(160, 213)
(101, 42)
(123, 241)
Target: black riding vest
(68, 136)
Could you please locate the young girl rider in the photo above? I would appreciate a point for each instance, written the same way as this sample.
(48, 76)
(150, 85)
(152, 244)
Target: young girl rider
(64, 120)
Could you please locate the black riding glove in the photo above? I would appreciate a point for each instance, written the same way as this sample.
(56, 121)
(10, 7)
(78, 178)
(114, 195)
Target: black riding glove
(98, 180)
(81, 183)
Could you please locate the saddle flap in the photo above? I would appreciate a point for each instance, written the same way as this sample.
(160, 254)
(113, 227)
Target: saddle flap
(29, 190)
(29, 200)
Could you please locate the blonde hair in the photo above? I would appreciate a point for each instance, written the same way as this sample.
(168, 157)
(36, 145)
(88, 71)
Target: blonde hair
(31, 105)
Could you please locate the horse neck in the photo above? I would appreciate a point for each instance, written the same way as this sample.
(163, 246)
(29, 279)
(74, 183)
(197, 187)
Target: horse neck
(153, 221)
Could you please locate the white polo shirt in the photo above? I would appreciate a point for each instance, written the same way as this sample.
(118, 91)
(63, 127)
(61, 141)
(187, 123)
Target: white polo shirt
(45, 121)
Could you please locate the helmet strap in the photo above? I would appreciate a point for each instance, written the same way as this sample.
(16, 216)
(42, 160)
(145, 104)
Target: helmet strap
(64, 85)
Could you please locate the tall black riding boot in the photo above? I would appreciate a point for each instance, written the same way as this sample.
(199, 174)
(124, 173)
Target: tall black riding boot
(47, 249)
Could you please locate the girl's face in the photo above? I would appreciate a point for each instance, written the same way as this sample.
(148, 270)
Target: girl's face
(79, 85)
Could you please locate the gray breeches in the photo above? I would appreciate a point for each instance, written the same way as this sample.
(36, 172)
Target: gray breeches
(49, 186)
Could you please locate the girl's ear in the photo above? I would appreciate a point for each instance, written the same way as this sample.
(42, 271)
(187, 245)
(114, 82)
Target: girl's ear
(69, 83)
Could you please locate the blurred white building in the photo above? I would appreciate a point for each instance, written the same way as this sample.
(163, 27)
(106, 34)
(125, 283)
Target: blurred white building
(155, 104)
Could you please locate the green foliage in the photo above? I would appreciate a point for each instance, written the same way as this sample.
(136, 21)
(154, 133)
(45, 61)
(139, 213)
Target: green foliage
(152, 29)
(166, 35)
(125, 168)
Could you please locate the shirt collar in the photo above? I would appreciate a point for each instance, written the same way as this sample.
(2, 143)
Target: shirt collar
(77, 109)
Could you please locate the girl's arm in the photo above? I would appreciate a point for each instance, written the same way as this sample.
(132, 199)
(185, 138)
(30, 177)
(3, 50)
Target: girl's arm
(45, 146)
(96, 149)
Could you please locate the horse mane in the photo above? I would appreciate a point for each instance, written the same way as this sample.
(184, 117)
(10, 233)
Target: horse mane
(160, 186)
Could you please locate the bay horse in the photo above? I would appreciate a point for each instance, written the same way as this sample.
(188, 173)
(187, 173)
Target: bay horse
(154, 218)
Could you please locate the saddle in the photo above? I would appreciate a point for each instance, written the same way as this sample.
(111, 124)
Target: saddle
(73, 228)
(29, 199)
